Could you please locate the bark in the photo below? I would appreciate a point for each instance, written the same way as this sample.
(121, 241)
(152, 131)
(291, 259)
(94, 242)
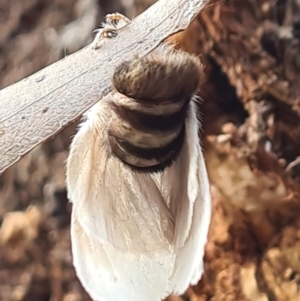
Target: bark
(251, 117)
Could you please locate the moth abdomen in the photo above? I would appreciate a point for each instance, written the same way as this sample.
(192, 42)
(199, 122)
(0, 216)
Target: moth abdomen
(147, 159)
(150, 102)
(148, 120)
(166, 74)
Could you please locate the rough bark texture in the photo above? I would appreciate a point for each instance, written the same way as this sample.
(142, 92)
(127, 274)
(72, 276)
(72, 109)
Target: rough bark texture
(250, 50)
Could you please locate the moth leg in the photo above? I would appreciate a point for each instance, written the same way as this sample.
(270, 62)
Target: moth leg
(112, 23)
(117, 19)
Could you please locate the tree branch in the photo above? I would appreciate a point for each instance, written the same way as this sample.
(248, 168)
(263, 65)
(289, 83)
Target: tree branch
(37, 107)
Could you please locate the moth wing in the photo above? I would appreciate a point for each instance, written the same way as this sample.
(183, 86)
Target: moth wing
(115, 205)
(109, 274)
(147, 238)
(185, 186)
(192, 210)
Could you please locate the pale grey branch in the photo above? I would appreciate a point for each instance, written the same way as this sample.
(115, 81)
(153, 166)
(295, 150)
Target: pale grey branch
(35, 108)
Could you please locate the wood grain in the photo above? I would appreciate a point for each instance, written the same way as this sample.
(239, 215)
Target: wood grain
(35, 108)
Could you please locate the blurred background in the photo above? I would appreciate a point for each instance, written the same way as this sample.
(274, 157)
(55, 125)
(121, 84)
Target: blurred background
(250, 50)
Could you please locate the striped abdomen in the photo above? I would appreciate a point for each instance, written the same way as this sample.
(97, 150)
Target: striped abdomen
(151, 101)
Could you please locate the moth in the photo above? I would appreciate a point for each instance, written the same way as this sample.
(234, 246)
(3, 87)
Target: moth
(137, 179)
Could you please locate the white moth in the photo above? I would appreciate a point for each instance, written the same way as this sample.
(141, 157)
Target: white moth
(139, 235)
